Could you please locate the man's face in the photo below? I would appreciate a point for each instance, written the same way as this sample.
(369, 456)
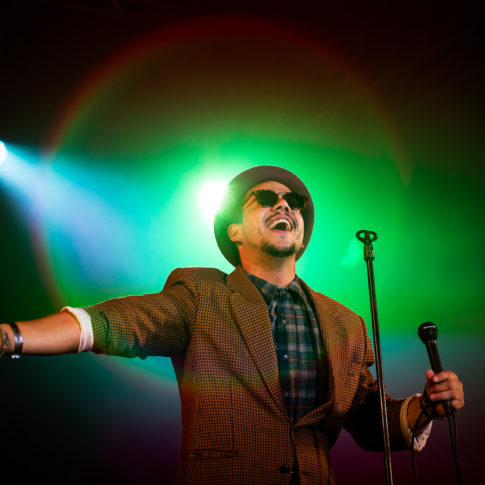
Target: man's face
(276, 231)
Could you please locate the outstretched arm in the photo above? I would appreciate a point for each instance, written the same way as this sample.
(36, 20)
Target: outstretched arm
(55, 334)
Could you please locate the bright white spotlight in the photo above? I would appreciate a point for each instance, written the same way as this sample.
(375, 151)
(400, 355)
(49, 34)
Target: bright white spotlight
(3, 151)
(210, 198)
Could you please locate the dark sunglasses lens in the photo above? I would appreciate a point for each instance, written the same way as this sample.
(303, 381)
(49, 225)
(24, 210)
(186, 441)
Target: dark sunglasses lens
(295, 201)
(266, 198)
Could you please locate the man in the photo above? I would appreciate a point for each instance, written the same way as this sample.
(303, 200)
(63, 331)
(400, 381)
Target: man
(269, 371)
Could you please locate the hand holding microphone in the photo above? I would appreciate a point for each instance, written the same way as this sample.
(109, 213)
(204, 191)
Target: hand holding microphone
(442, 387)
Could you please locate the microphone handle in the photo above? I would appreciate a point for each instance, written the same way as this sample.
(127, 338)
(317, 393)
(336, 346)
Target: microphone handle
(434, 356)
(434, 359)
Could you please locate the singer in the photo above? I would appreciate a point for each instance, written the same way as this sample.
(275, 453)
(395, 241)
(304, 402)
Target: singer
(269, 371)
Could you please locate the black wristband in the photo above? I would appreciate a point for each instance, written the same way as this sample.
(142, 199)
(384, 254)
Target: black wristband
(428, 408)
(17, 338)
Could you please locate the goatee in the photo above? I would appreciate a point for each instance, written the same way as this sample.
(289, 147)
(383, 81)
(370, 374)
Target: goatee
(278, 252)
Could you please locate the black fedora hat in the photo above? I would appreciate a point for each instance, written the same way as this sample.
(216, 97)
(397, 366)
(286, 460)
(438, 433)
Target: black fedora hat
(231, 206)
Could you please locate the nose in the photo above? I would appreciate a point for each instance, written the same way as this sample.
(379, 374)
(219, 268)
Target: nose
(282, 204)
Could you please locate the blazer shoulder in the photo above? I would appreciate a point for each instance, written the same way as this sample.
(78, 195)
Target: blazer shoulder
(334, 307)
(196, 276)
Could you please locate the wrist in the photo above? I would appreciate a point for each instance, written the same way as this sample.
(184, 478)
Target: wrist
(428, 407)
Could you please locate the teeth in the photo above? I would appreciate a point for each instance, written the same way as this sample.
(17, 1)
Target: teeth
(275, 222)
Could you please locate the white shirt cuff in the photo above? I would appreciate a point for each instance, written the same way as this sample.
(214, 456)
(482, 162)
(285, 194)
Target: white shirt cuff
(86, 342)
(421, 436)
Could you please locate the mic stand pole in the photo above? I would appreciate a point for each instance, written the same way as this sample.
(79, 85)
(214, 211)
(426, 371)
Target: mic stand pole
(368, 237)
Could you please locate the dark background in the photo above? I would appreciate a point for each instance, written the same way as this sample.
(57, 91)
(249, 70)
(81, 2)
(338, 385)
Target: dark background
(426, 62)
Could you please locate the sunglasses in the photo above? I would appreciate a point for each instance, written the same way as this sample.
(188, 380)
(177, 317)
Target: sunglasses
(268, 198)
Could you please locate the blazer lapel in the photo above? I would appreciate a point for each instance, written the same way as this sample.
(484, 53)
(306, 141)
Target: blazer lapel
(252, 317)
(336, 347)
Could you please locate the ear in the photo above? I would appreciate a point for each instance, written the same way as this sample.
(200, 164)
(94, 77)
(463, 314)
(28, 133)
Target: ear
(234, 232)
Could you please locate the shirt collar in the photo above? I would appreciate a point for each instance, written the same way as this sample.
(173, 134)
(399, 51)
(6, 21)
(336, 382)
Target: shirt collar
(270, 291)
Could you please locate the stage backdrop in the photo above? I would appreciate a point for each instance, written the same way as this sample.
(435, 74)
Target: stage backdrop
(122, 187)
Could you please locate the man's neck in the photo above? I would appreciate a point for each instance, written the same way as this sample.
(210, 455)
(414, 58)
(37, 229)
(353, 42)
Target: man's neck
(279, 271)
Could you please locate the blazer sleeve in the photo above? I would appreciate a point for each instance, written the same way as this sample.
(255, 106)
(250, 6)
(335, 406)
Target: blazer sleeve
(364, 419)
(152, 324)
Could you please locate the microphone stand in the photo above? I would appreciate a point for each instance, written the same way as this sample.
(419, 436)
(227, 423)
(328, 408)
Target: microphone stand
(368, 237)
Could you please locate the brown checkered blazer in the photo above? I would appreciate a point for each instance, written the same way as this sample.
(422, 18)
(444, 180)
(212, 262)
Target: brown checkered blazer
(235, 427)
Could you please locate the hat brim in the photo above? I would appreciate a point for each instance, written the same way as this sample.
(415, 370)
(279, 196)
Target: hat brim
(231, 205)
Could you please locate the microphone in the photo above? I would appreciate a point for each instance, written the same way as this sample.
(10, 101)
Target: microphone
(428, 333)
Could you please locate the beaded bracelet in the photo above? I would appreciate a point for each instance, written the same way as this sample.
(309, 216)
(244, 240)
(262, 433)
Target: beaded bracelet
(4, 343)
(17, 338)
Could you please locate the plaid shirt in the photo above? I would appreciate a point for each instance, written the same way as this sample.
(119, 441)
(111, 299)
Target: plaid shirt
(299, 346)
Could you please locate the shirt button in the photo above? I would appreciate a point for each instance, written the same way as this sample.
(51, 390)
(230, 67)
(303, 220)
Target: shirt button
(285, 356)
(283, 322)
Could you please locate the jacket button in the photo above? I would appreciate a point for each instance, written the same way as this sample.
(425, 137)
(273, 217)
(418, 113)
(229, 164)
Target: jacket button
(285, 469)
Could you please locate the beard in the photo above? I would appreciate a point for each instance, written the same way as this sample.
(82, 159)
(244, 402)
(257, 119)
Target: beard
(272, 250)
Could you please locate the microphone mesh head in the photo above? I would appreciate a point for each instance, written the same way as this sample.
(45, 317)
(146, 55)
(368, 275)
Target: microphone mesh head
(428, 332)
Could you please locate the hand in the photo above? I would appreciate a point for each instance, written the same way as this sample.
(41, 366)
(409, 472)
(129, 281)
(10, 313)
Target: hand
(444, 386)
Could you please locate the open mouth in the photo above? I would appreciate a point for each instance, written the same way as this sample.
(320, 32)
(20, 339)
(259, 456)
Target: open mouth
(280, 224)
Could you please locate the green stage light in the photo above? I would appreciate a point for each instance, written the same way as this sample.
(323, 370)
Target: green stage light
(146, 145)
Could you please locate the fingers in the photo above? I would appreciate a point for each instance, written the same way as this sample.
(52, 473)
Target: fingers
(429, 375)
(445, 386)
